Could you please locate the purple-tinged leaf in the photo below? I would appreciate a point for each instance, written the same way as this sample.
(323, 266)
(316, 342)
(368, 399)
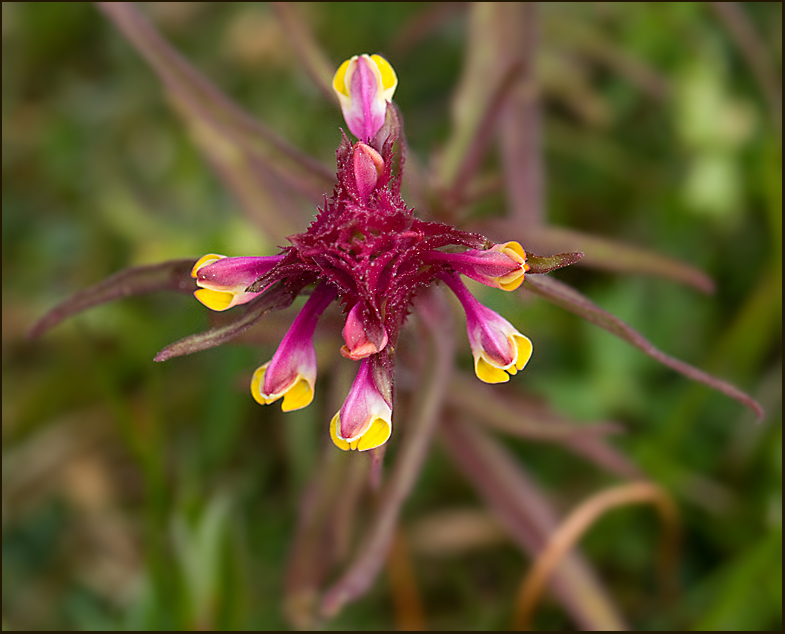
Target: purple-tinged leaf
(305, 46)
(275, 298)
(567, 297)
(482, 135)
(485, 84)
(174, 275)
(545, 264)
(520, 122)
(357, 579)
(525, 513)
(600, 253)
(202, 102)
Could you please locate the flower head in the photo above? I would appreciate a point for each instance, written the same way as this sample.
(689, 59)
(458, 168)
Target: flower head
(364, 84)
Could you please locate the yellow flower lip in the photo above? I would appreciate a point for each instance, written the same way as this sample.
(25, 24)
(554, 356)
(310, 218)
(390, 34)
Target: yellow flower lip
(364, 84)
(515, 252)
(490, 372)
(375, 434)
(298, 394)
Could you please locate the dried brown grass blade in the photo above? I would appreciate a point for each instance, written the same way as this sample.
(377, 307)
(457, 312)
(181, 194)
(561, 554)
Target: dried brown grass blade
(578, 523)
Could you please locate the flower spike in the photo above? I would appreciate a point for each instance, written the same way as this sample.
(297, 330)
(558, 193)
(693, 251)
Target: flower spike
(364, 84)
(223, 280)
(365, 420)
(499, 350)
(291, 373)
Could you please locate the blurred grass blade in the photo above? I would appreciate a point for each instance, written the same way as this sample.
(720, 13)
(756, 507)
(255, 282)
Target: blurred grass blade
(485, 83)
(752, 47)
(174, 275)
(307, 49)
(357, 579)
(525, 418)
(275, 298)
(545, 264)
(203, 102)
(329, 499)
(567, 297)
(527, 516)
(566, 536)
(520, 124)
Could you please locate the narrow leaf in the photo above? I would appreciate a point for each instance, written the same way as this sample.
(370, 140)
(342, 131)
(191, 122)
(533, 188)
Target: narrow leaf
(307, 49)
(485, 83)
(174, 275)
(545, 264)
(599, 253)
(275, 298)
(567, 297)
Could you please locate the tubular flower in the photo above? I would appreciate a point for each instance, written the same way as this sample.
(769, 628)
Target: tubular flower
(291, 373)
(364, 85)
(502, 266)
(223, 280)
(365, 420)
(499, 349)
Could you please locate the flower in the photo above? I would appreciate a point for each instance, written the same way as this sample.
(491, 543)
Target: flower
(223, 280)
(291, 373)
(499, 349)
(365, 420)
(364, 85)
(502, 266)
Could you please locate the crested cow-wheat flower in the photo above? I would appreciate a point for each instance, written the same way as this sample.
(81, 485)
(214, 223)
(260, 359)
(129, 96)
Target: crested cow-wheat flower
(368, 251)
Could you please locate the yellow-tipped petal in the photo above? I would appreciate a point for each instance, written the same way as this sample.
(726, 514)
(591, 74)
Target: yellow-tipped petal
(389, 78)
(489, 373)
(524, 348)
(257, 381)
(511, 281)
(515, 252)
(377, 435)
(339, 79)
(514, 247)
(298, 396)
(335, 424)
(214, 300)
(204, 261)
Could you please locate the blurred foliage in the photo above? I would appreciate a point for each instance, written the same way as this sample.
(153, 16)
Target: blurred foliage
(146, 496)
